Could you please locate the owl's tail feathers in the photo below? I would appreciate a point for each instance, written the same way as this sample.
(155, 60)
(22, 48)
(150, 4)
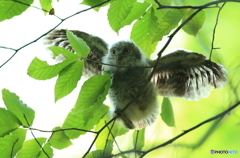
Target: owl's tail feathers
(135, 118)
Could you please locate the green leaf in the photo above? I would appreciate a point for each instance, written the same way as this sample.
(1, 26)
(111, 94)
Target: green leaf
(61, 51)
(40, 70)
(68, 79)
(118, 12)
(31, 148)
(24, 113)
(195, 24)
(144, 30)
(46, 5)
(93, 90)
(59, 140)
(77, 120)
(89, 108)
(167, 112)
(92, 3)
(9, 9)
(136, 12)
(8, 122)
(168, 20)
(47, 148)
(95, 154)
(78, 45)
(12, 143)
(138, 139)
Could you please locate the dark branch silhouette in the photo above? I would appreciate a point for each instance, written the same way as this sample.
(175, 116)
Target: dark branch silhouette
(193, 128)
(214, 30)
(220, 115)
(67, 129)
(35, 137)
(204, 6)
(62, 20)
(100, 63)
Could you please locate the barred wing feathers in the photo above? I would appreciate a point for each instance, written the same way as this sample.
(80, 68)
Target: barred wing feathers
(97, 46)
(187, 75)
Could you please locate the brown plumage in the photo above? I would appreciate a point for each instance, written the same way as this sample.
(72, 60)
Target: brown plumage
(180, 74)
(97, 46)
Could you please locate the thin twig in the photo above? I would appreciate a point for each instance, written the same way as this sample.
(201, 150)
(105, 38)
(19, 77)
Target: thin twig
(67, 129)
(35, 7)
(100, 63)
(8, 48)
(214, 31)
(206, 5)
(222, 114)
(98, 132)
(62, 20)
(113, 135)
(193, 128)
(35, 137)
(109, 132)
(90, 147)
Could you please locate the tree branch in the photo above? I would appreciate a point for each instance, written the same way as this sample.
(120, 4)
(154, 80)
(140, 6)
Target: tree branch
(98, 133)
(67, 129)
(35, 137)
(100, 63)
(62, 20)
(220, 115)
(206, 5)
(34, 7)
(193, 128)
(214, 31)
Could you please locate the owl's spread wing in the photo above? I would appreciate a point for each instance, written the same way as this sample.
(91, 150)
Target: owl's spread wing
(98, 48)
(187, 75)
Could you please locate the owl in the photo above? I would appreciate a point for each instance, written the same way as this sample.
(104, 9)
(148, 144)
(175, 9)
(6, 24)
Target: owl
(135, 86)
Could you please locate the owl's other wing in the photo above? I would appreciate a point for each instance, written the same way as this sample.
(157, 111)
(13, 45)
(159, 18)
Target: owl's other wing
(187, 75)
(98, 48)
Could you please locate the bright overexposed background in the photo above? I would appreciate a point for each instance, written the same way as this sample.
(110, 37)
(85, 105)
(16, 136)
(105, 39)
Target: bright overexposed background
(39, 95)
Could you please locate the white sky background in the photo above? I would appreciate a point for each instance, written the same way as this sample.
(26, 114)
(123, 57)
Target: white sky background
(39, 95)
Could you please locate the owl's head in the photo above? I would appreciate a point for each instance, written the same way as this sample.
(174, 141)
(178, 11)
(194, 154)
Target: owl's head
(123, 53)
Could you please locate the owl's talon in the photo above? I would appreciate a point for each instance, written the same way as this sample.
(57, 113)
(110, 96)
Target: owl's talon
(118, 112)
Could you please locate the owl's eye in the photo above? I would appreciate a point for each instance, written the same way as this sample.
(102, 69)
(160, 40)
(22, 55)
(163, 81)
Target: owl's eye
(112, 52)
(126, 50)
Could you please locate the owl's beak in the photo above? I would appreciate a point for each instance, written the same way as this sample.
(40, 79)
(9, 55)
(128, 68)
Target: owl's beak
(119, 58)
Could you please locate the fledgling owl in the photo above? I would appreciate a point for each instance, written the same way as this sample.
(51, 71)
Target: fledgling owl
(130, 84)
(180, 74)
